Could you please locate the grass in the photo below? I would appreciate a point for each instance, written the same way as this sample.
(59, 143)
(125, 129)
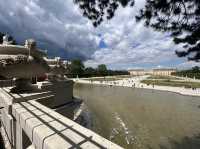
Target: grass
(109, 78)
(124, 76)
(103, 79)
(163, 77)
(168, 82)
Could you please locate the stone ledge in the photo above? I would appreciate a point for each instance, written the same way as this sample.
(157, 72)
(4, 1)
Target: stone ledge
(48, 129)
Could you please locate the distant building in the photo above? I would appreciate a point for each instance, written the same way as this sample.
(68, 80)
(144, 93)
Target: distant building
(163, 72)
(57, 61)
(137, 72)
(160, 72)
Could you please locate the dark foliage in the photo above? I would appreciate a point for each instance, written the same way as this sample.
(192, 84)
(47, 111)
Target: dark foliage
(89, 72)
(92, 72)
(192, 73)
(95, 10)
(102, 70)
(77, 68)
(181, 18)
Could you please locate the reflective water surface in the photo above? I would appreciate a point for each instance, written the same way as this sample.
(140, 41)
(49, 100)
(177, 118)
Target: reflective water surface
(143, 119)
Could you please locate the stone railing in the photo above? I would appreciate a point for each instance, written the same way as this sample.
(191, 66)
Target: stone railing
(7, 83)
(29, 124)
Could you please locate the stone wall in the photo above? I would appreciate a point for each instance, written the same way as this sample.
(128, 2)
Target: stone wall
(29, 124)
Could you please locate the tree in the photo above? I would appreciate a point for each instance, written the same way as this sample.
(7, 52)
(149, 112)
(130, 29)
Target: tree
(1, 37)
(89, 72)
(196, 69)
(191, 73)
(76, 68)
(102, 69)
(181, 18)
(95, 10)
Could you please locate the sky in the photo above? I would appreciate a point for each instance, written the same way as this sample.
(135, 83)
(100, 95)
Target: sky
(59, 27)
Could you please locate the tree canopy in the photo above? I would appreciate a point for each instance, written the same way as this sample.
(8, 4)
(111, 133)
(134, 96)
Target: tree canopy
(191, 73)
(95, 10)
(102, 69)
(181, 18)
(89, 72)
(76, 68)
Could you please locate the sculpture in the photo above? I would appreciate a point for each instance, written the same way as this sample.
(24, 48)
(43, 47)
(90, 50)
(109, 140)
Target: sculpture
(22, 63)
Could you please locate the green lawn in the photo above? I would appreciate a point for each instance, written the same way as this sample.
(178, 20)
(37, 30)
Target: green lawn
(163, 77)
(168, 82)
(124, 76)
(109, 78)
(103, 79)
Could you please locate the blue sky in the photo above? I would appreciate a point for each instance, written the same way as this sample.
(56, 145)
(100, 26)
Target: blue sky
(120, 43)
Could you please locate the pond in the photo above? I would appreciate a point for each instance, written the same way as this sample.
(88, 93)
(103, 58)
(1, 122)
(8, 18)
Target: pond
(142, 118)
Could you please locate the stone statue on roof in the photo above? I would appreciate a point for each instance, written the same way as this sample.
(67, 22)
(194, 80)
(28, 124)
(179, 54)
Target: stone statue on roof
(26, 62)
(22, 62)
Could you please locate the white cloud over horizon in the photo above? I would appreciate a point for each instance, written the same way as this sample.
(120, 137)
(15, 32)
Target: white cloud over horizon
(59, 22)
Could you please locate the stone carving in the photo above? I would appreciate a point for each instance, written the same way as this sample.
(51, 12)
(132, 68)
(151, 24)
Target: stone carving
(22, 63)
(26, 62)
(6, 41)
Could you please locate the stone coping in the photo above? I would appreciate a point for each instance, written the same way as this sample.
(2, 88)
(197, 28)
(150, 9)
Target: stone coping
(48, 129)
(11, 98)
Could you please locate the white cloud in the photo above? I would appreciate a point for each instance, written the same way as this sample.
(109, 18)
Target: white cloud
(59, 25)
(188, 64)
(130, 44)
(57, 21)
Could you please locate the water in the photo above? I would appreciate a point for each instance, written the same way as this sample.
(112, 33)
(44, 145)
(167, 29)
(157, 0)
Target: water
(143, 119)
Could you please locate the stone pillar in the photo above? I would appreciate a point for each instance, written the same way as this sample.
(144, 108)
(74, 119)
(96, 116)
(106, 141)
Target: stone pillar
(7, 124)
(62, 91)
(19, 144)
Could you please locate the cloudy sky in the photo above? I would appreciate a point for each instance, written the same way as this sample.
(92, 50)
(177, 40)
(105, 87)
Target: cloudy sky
(120, 43)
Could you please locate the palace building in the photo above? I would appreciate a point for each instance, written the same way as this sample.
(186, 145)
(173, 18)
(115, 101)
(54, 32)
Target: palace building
(158, 72)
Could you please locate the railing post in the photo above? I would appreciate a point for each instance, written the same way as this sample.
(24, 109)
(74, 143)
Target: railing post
(18, 136)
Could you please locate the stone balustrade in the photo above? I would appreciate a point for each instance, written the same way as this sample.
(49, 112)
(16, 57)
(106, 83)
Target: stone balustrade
(27, 124)
(7, 83)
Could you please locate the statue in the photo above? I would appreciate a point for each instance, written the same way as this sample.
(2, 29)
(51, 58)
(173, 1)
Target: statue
(22, 63)
(6, 41)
